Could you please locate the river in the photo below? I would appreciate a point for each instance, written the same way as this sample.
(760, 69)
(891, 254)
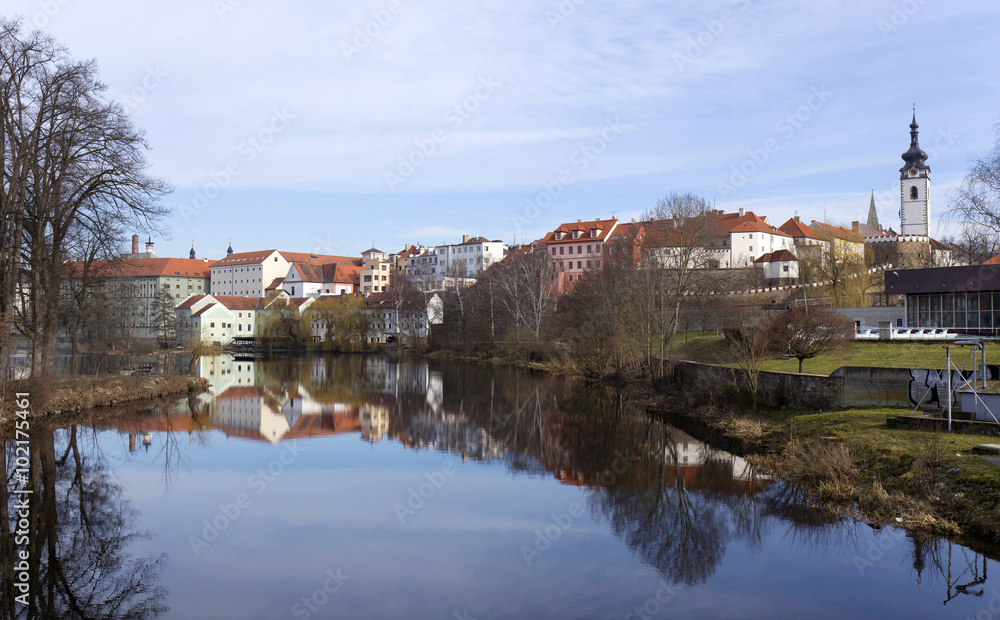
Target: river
(361, 487)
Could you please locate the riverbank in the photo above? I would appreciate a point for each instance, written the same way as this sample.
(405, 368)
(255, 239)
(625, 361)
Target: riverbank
(853, 464)
(71, 395)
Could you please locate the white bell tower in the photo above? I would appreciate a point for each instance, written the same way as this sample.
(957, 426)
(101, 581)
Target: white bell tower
(915, 188)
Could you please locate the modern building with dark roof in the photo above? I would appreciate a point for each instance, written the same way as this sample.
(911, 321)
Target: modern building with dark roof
(964, 299)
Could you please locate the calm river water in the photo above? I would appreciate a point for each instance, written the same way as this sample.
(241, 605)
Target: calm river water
(358, 487)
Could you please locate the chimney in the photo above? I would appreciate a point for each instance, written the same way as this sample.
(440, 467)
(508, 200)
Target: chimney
(135, 244)
(149, 245)
(856, 227)
(741, 211)
(465, 238)
(797, 218)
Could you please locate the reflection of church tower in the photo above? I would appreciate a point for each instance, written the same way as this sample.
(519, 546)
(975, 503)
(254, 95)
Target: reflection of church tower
(915, 188)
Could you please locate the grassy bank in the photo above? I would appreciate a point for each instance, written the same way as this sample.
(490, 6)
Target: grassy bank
(711, 349)
(67, 395)
(852, 463)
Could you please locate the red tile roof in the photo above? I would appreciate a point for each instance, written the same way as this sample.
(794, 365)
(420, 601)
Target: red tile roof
(837, 232)
(143, 268)
(795, 228)
(602, 226)
(993, 261)
(776, 257)
(758, 226)
(190, 301)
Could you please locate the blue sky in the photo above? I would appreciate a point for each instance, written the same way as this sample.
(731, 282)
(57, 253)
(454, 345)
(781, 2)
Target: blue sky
(316, 126)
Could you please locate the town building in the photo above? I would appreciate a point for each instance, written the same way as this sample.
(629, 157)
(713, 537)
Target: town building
(450, 266)
(253, 274)
(575, 248)
(809, 245)
(964, 298)
(377, 272)
(138, 280)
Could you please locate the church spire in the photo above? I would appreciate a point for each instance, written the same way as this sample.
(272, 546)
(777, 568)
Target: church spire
(229, 252)
(915, 158)
(872, 213)
(191, 255)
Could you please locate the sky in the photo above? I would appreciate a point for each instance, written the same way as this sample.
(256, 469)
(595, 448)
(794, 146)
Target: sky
(333, 126)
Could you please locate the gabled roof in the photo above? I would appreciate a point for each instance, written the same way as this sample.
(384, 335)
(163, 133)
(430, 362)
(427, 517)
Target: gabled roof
(796, 229)
(944, 247)
(142, 268)
(837, 232)
(341, 274)
(242, 303)
(244, 258)
(190, 301)
(273, 286)
(204, 310)
(758, 226)
(993, 261)
(602, 226)
(776, 257)
(628, 233)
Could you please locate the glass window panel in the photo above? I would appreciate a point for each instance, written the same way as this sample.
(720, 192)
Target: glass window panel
(959, 302)
(924, 319)
(985, 318)
(960, 319)
(936, 302)
(924, 305)
(972, 319)
(984, 301)
(947, 319)
(972, 302)
(948, 301)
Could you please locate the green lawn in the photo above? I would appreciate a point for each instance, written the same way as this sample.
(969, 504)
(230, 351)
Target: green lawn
(712, 349)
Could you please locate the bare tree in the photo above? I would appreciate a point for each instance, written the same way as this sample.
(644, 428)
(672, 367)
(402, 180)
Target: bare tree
(162, 321)
(975, 204)
(805, 333)
(73, 163)
(679, 246)
(527, 287)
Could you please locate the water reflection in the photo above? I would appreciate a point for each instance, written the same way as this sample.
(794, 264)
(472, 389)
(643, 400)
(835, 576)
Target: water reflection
(80, 530)
(679, 506)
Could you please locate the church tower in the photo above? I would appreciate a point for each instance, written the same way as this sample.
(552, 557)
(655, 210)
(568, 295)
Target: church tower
(915, 188)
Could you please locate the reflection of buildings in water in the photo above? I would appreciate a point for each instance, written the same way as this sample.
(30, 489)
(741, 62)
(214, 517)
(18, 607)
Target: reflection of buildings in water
(248, 412)
(448, 432)
(223, 371)
(374, 421)
(693, 456)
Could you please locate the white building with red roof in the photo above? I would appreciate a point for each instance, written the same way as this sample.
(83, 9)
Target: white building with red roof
(251, 274)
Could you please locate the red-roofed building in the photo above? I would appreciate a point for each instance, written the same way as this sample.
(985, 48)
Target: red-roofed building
(809, 244)
(251, 273)
(576, 248)
(780, 267)
(451, 266)
(135, 281)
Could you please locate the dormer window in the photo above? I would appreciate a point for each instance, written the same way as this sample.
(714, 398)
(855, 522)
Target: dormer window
(593, 233)
(576, 234)
(560, 235)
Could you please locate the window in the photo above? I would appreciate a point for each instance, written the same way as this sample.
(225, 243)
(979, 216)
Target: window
(576, 234)
(553, 251)
(579, 249)
(211, 324)
(560, 251)
(589, 249)
(785, 268)
(570, 249)
(913, 193)
(579, 264)
(588, 264)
